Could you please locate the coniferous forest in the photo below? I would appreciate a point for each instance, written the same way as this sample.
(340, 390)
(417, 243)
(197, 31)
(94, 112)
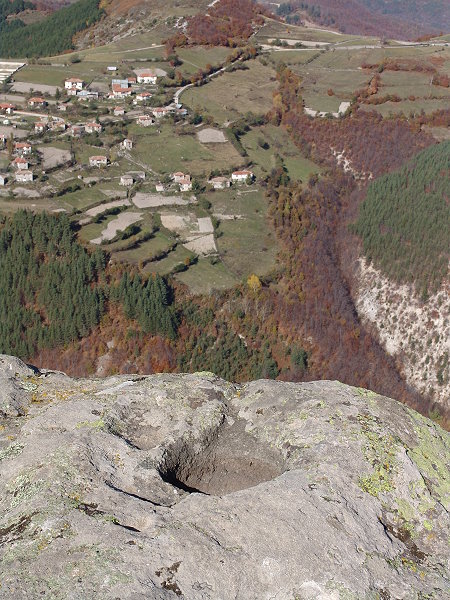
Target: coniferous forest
(51, 36)
(404, 221)
(53, 291)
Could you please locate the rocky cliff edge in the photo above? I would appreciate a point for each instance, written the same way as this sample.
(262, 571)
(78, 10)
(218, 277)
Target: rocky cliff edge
(188, 486)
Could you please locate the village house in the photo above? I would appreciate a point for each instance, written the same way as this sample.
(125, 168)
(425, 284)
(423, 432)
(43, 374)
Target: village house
(118, 111)
(126, 180)
(2, 139)
(40, 127)
(3, 179)
(241, 176)
(37, 102)
(20, 164)
(73, 85)
(220, 183)
(58, 125)
(131, 80)
(6, 107)
(76, 130)
(87, 95)
(62, 107)
(161, 111)
(127, 144)
(142, 97)
(160, 187)
(22, 148)
(179, 176)
(147, 77)
(24, 176)
(182, 112)
(145, 120)
(98, 161)
(121, 92)
(111, 68)
(185, 184)
(93, 128)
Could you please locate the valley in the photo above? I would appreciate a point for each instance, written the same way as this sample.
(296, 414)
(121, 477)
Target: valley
(229, 162)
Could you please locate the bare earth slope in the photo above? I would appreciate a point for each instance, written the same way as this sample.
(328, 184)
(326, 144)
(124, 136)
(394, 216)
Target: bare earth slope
(187, 486)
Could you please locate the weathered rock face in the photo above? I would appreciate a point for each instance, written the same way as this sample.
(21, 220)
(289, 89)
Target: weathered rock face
(187, 486)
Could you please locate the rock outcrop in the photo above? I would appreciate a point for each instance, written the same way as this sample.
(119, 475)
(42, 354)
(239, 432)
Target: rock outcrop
(188, 486)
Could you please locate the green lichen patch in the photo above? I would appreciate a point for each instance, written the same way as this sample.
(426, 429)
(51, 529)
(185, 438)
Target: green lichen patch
(12, 450)
(432, 458)
(380, 450)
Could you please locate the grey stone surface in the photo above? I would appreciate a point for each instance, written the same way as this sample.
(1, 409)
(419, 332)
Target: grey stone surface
(188, 486)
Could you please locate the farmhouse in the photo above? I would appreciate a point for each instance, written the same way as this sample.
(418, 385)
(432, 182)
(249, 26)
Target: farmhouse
(22, 148)
(126, 180)
(76, 130)
(73, 85)
(87, 95)
(142, 97)
(98, 161)
(241, 176)
(3, 179)
(179, 176)
(220, 183)
(127, 144)
(121, 92)
(118, 111)
(161, 111)
(147, 77)
(160, 187)
(111, 68)
(24, 176)
(131, 80)
(40, 127)
(6, 107)
(185, 184)
(93, 128)
(58, 125)
(145, 120)
(20, 163)
(37, 102)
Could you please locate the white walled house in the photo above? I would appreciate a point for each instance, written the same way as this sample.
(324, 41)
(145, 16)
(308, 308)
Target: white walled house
(220, 183)
(98, 161)
(22, 148)
(147, 77)
(23, 176)
(40, 127)
(126, 180)
(74, 84)
(145, 120)
(3, 179)
(185, 184)
(241, 176)
(93, 128)
(20, 164)
(127, 144)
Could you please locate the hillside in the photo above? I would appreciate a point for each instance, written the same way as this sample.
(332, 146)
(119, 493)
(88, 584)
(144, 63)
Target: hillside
(389, 18)
(192, 487)
(402, 287)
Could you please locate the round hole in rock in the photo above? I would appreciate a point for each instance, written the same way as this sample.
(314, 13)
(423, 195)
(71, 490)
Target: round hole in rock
(232, 460)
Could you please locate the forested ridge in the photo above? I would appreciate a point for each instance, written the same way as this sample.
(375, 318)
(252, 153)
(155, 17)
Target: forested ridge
(54, 292)
(51, 36)
(404, 221)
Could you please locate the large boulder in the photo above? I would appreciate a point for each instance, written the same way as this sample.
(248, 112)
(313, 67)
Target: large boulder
(188, 486)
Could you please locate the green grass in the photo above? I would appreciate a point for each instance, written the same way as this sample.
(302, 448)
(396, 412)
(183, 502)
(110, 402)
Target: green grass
(204, 277)
(82, 199)
(165, 266)
(280, 142)
(406, 84)
(167, 152)
(408, 106)
(246, 245)
(159, 243)
(198, 57)
(230, 95)
(94, 230)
